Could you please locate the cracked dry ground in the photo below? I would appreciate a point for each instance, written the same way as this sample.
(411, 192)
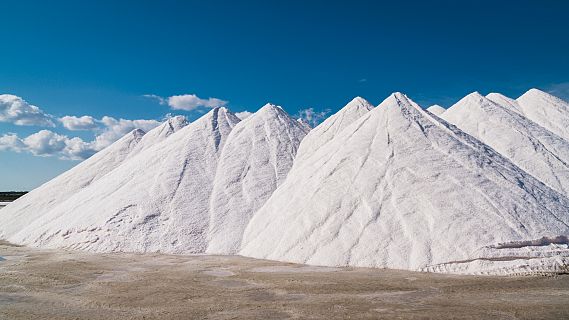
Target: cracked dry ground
(56, 284)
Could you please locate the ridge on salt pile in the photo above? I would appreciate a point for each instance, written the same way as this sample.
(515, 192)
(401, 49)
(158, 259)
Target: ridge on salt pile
(156, 201)
(330, 127)
(528, 145)
(546, 110)
(255, 160)
(29, 207)
(505, 102)
(160, 133)
(370, 197)
(436, 109)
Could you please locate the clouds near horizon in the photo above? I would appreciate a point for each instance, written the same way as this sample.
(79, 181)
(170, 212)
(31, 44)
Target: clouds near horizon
(187, 102)
(313, 117)
(47, 143)
(16, 110)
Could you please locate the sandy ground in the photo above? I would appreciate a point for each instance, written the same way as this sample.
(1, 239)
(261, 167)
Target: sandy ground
(49, 284)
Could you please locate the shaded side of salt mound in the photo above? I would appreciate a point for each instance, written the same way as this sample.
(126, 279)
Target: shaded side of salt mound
(157, 201)
(533, 148)
(326, 131)
(546, 110)
(436, 109)
(371, 197)
(255, 160)
(159, 133)
(34, 204)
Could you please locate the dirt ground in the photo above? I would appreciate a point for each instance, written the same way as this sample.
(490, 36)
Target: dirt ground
(56, 284)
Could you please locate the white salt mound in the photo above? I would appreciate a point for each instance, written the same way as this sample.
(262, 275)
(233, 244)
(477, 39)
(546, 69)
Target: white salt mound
(255, 160)
(546, 110)
(436, 110)
(194, 191)
(533, 148)
(402, 189)
(156, 201)
(34, 204)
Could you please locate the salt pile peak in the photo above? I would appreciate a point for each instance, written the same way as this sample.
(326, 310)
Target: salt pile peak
(546, 110)
(160, 133)
(28, 208)
(533, 148)
(505, 101)
(255, 160)
(371, 197)
(436, 109)
(326, 131)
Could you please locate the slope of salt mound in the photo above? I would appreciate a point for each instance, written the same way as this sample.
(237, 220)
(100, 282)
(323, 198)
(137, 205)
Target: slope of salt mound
(546, 110)
(304, 124)
(156, 201)
(255, 160)
(24, 210)
(436, 109)
(531, 147)
(159, 134)
(505, 102)
(326, 131)
(371, 198)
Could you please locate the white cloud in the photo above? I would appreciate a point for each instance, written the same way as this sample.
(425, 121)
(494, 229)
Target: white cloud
(191, 102)
(79, 123)
(16, 110)
(46, 143)
(243, 115)
(187, 102)
(11, 142)
(312, 117)
(155, 97)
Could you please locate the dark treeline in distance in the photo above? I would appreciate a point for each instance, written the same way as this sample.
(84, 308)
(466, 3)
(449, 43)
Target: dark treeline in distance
(11, 195)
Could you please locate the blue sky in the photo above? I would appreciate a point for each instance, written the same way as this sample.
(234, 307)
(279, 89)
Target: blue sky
(99, 59)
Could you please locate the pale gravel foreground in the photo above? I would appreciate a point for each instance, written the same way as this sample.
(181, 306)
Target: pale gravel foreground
(49, 284)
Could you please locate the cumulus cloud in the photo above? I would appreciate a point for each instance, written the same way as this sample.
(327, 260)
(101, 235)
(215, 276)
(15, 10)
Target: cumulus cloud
(11, 142)
(187, 102)
(243, 115)
(79, 123)
(16, 110)
(157, 98)
(312, 117)
(46, 143)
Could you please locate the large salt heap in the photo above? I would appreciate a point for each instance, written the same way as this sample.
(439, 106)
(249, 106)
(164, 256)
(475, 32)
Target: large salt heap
(533, 148)
(436, 110)
(199, 186)
(156, 201)
(401, 189)
(28, 208)
(256, 159)
(546, 110)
